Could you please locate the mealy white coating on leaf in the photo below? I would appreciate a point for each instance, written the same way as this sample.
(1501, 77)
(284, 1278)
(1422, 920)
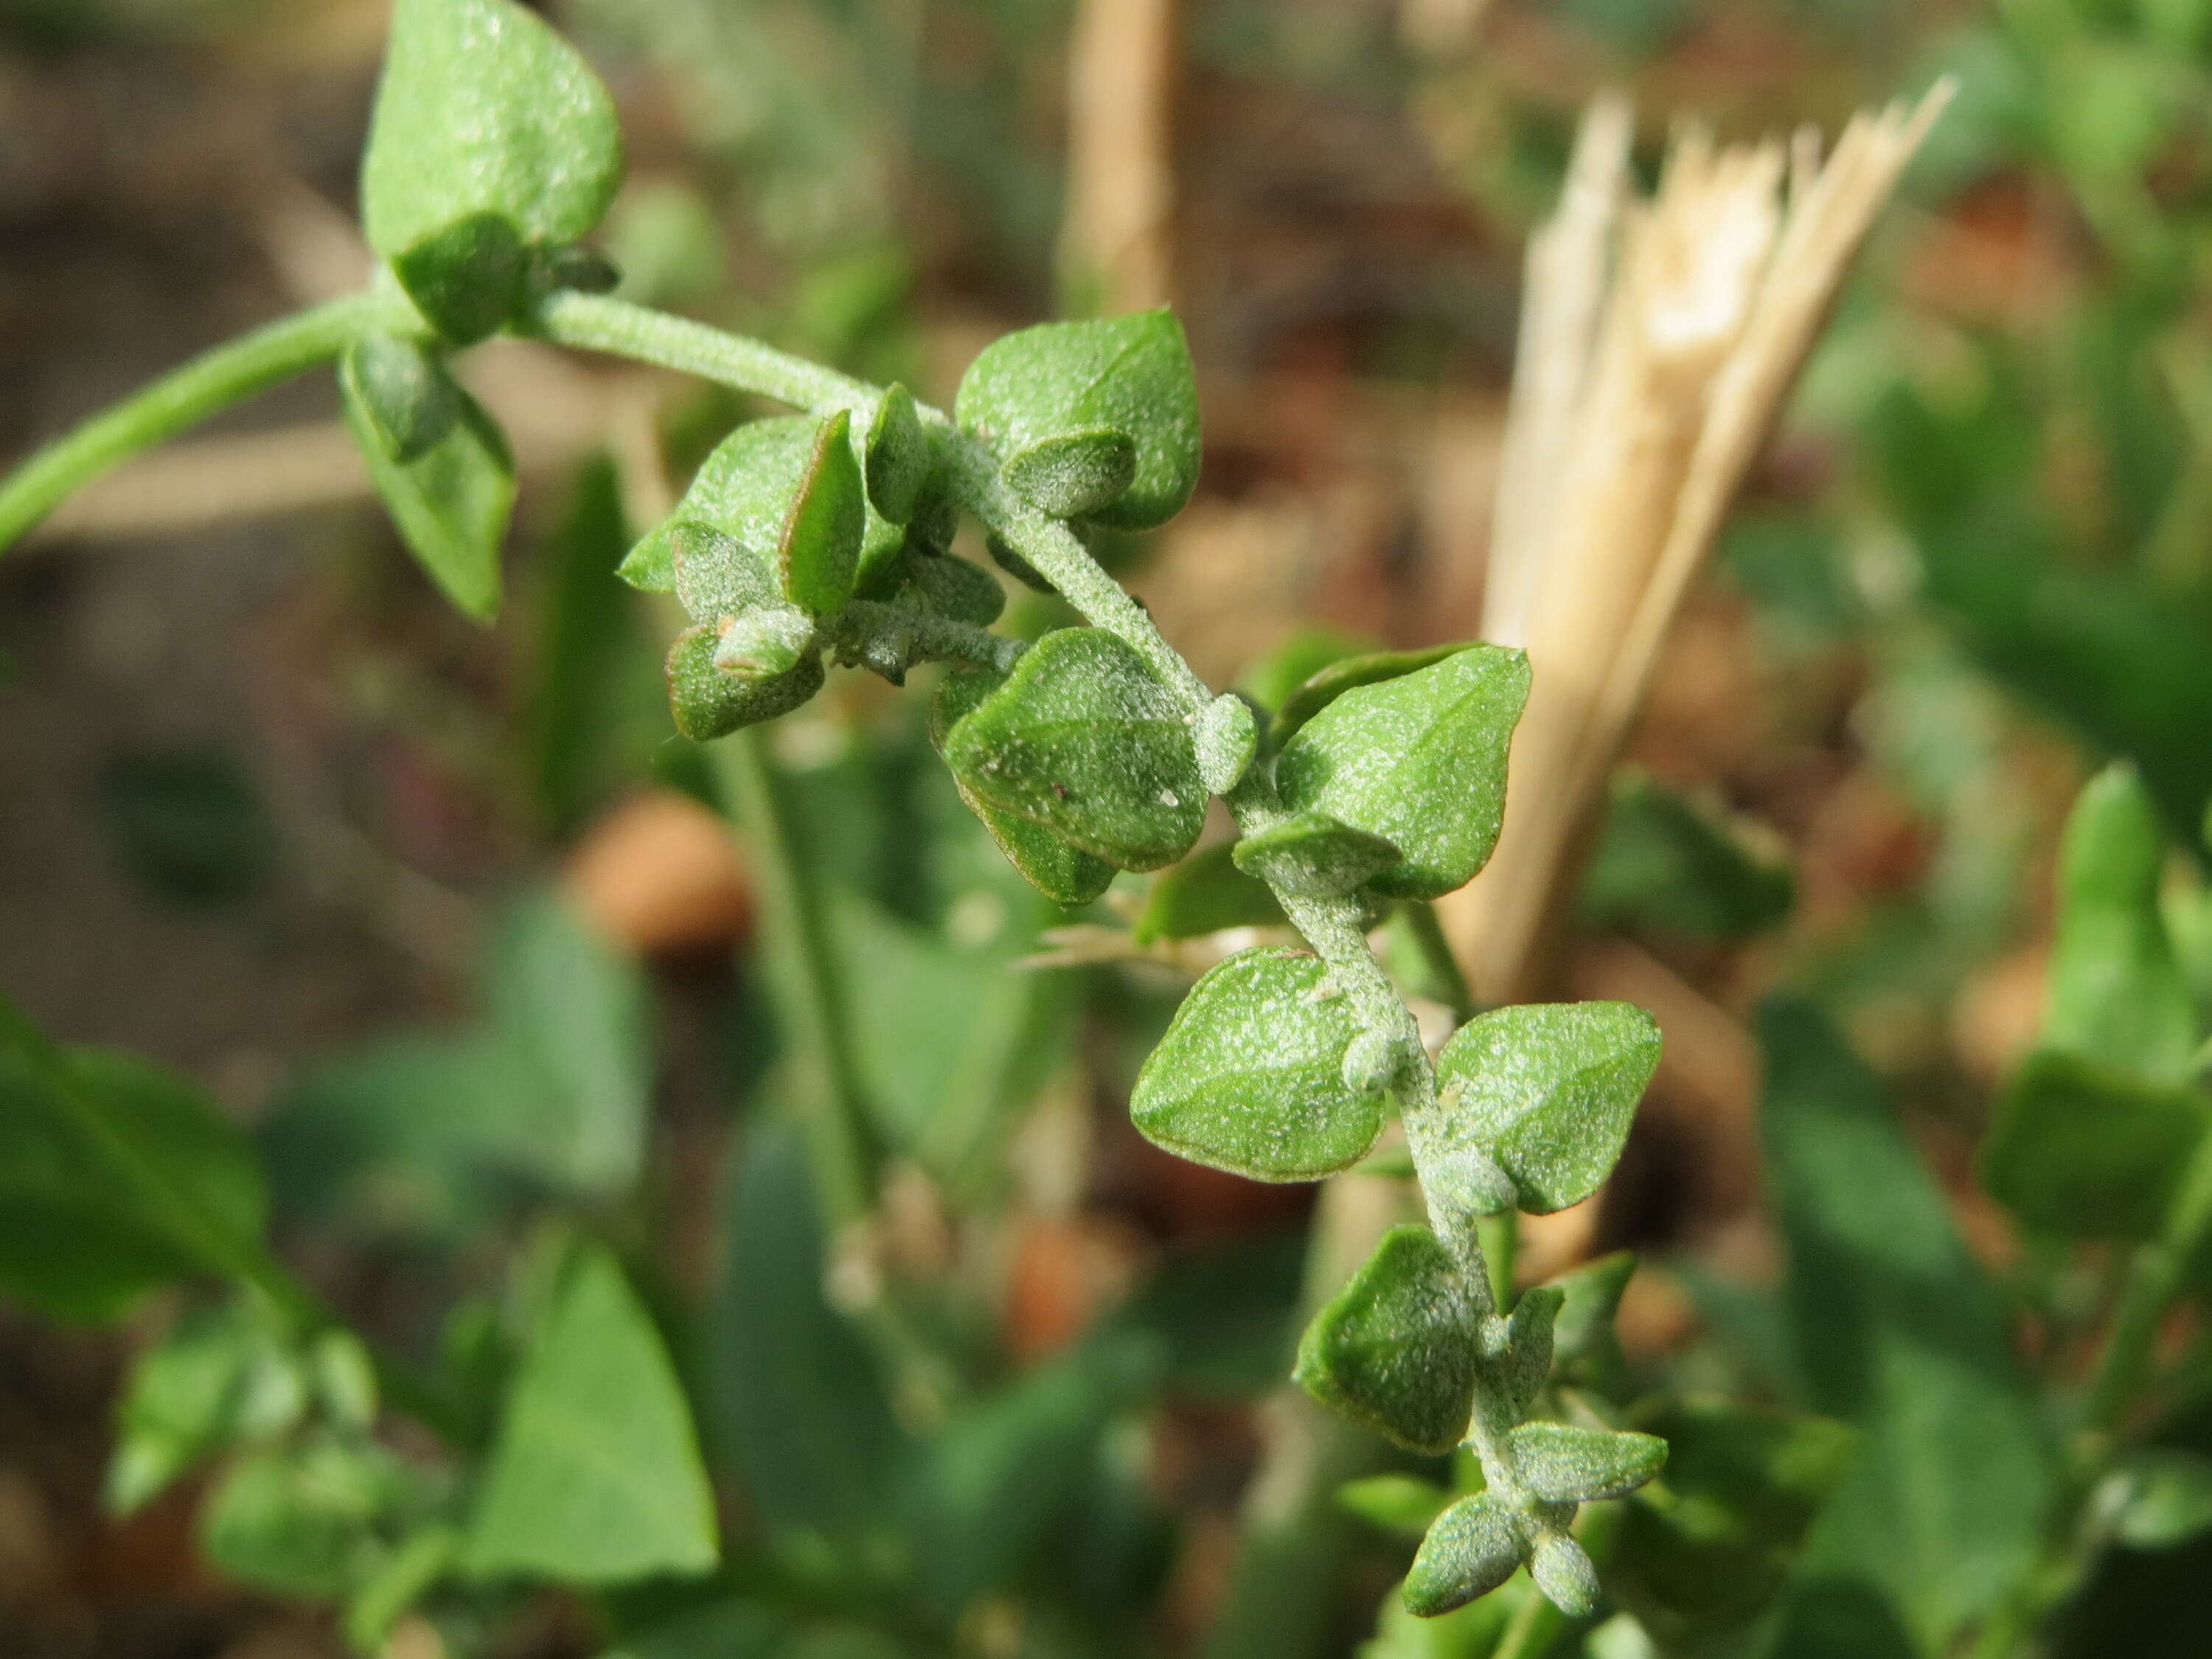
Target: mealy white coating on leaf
(1548, 1091)
(1314, 855)
(1250, 1075)
(1396, 1348)
(1420, 760)
(1227, 735)
(1469, 1550)
(1563, 1571)
(1568, 1464)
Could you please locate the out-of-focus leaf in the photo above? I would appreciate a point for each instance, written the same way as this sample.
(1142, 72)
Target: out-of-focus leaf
(2164, 1498)
(1226, 1319)
(221, 1376)
(1204, 894)
(595, 1476)
(1401, 1504)
(1662, 864)
(301, 1519)
(115, 1176)
(450, 503)
(2084, 1152)
(1899, 1334)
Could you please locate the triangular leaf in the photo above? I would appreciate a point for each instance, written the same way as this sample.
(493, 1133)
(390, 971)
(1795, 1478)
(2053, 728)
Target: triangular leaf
(595, 1476)
(1062, 874)
(708, 703)
(1547, 1091)
(1128, 374)
(898, 455)
(1250, 1075)
(450, 504)
(1419, 760)
(1396, 1348)
(1084, 739)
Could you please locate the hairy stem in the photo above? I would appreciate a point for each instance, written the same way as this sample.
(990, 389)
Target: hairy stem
(184, 397)
(592, 322)
(921, 637)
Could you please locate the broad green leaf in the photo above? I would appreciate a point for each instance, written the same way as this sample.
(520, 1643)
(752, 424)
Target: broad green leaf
(1473, 1546)
(450, 503)
(1701, 1564)
(800, 1404)
(1397, 1348)
(1204, 894)
(1062, 874)
(2116, 993)
(898, 458)
(1074, 474)
(1401, 1504)
(1547, 1091)
(1130, 374)
(1314, 856)
(1565, 1464)
(221, 1376)
(1664, 864)
(1250, 1075)
(819, 553)
(708, 703)
(408, 399)
(1419, 760)
(484, 114)
(2082, 1151)
(1083, 741)
(466, 278)
(1898, 1333)
(302, 1519)
(595, 1476)
(1344, 672)
(115, 1177)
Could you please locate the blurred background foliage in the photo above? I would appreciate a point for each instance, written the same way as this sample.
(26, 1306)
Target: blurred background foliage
(448, 923)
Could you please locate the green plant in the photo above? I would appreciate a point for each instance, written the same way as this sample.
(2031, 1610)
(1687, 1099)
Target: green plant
(825, 537)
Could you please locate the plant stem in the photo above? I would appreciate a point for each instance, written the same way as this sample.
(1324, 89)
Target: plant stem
(1448, 978)
(592, 322)
(206, 386)
(2154, 1280)
(921, 637)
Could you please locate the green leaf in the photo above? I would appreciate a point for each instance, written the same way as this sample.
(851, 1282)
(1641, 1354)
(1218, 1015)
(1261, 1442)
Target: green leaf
(1401, 1504)
(1564, 1571)
(1397, 1348)
(899, 458)
(1275, 675)
(819, 553)
(1899, 1332)
(115, 1177)
(1547, 1091)
(1130, 374)
(737, 1629)
(708, 703)
(221, 1376)
(1250, 1075)
(483, 116)
(595, 1476)
(301, 1519)
(466, 278)
(1568, 1465)
(1204, 894)
(1665, 864)
(2162, 1497)
(1474, 1546)
(450, 503)
(1586, 1349)
(1083, 741)
(952, 587)
(1518, 1358)
(2082, 1151)
(1419, 760)
(400, 1580)
(1227, 738)
(2117, 995)
(408, 399)
(1062, 874)
(1347, 672)
(1315, 856)
(1074, 474)
(1700, 1564)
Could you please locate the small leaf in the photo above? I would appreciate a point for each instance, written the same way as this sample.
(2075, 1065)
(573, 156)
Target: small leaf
(1275, 675)
(595, 1477)
(1563, 1571)
(1062, 874)
(1586, 1349)
(1569, 1465)
(484, 115)
(1518, 1353)
(1074, 474)
(763, 645)
(1547, 1091)
(952, 587)
(1396, 1348)
(899, 458)
(300, 1519)
(401, 1579)
(708, 703)
(2082, 1151)
(1204, 894)
(1474, 1546)
(1227, 736)
(1131, 375)
(715, 576)
(219, 1377)
(1401, 1504)
(1419, 760)
(1083, 741)
(1250, 1075)
(1376, 1062)
(1345, 671)
(466, 279)
(1314, 856)
(450, 503)
(819, 553)
(408, 399)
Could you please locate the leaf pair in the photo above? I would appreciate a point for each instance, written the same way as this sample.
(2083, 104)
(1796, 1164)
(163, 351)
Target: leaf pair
(1094, 420)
